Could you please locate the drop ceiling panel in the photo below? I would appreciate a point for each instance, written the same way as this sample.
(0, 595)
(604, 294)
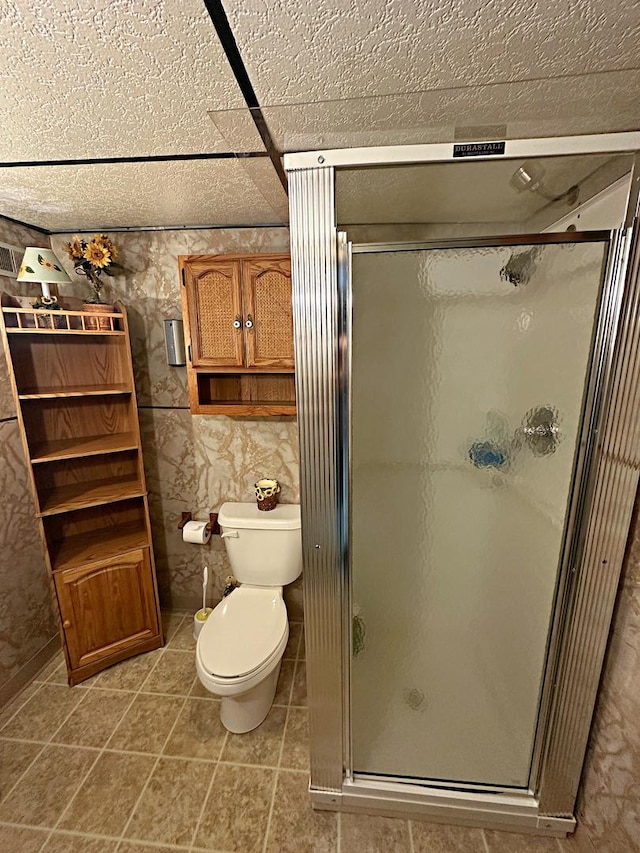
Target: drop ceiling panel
(300, 51)
(596, 103)
(179, 193)
(107, 79)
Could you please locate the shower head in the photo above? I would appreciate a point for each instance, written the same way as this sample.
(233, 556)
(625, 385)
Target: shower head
(530, 176)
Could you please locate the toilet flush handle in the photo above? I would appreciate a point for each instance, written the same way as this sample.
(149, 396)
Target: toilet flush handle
(232, 534)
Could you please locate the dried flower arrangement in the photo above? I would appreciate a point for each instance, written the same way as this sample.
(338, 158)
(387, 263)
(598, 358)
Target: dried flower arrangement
(92, 258)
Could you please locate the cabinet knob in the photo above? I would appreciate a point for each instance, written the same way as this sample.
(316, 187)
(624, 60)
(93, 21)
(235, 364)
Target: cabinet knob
(237, 323)
(66, 623)
(249, 323)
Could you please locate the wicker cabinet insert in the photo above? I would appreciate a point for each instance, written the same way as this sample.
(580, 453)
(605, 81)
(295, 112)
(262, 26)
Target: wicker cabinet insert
(75, 400)
(239, 333)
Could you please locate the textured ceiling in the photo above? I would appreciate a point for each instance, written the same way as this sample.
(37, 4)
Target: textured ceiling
(134, 78)
(606, 102)
(296, 50)
(68, 198)
(108, 79)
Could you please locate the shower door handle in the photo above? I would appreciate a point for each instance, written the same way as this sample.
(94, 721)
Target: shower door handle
(541, 431)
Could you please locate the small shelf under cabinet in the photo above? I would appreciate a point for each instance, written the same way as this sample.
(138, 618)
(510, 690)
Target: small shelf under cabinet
(75, 399)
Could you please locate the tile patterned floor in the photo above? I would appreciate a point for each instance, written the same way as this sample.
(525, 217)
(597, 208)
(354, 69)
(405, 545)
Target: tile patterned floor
(136, 760)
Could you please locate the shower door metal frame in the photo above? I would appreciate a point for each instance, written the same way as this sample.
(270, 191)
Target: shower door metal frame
(607, 493)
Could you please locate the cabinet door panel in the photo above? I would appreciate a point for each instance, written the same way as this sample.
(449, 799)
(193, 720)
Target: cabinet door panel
(267, 300)
(107, 607)
(215, 302)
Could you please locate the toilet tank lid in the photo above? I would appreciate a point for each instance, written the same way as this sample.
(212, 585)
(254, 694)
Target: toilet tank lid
(247, 516)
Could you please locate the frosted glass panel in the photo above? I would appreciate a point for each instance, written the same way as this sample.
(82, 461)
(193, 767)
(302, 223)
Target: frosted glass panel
(469, 368)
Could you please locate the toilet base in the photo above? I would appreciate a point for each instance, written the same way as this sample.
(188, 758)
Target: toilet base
(244, 712)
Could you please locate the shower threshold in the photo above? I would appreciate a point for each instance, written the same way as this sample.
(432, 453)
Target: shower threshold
(516, 811)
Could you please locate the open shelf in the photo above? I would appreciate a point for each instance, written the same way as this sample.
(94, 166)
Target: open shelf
(77, 550)
(52, 392)
(90, 445)
(85, 494)
(62, 364)
(95, 533)
(246, 393)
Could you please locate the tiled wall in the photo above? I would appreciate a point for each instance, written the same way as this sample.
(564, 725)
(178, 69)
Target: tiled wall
(193, 462)
(609, 801)
(26, 617)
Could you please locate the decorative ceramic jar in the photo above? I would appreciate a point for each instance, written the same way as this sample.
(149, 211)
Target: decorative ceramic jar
(267, 494)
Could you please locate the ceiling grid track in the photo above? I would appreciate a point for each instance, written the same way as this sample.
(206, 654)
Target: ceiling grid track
(229, 45)
(142, 158)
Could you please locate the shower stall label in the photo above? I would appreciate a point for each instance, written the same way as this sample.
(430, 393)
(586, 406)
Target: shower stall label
(478, 149)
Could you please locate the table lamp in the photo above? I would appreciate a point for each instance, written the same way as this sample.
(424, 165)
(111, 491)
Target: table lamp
(42, 266)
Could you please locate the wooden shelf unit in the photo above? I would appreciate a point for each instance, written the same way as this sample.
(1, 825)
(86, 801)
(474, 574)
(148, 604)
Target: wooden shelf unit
(239, 334)
(75, 399)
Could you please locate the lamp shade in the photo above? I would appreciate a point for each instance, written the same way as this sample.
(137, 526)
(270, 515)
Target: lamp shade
(41, 265)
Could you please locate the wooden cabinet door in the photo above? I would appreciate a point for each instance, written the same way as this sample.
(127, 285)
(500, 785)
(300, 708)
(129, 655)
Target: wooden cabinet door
(266, 288)
(214, 310)
(107, 607)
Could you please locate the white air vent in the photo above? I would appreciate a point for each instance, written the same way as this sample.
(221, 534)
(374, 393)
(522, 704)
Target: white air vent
(10, 257)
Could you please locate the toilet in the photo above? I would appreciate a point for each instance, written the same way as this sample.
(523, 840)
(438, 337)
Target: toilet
(241, 644)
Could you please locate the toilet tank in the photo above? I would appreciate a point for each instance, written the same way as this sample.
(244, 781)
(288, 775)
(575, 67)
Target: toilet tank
(264, 548)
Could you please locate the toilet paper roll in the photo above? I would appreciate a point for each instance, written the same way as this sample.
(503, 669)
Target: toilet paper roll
(196, 532)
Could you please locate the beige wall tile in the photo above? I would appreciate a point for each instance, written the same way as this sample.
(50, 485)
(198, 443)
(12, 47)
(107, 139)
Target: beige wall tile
(25, 602)
(609, 794)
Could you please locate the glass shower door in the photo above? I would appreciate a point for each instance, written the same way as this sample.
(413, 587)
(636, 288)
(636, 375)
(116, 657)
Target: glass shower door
(468, 377)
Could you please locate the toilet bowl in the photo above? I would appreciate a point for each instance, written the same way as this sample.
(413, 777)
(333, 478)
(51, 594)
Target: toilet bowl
(241, 644)
(239, 652)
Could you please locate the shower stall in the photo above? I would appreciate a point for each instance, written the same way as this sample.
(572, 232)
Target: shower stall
(468, 406)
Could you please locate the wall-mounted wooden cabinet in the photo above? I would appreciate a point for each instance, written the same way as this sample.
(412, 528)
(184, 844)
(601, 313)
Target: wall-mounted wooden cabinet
(239, 333)
(75, 399)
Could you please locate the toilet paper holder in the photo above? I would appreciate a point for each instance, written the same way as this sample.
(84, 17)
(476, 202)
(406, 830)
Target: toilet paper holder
(212, 527)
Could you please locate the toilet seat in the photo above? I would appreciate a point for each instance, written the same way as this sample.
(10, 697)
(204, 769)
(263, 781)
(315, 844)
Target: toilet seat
(244, 634)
